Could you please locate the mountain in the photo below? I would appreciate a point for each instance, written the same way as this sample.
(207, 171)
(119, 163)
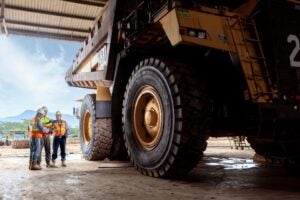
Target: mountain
(29, 114)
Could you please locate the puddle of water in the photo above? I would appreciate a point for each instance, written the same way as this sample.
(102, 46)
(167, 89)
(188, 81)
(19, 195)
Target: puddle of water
(231, 163)
(74, 157)
(72, 181)
(113, 164)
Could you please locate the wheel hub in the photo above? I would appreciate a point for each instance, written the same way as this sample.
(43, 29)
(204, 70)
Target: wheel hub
(147, 118)
(87, 127)
(151, 118)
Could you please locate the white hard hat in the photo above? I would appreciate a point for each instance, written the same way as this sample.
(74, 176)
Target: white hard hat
(40, 111)
(45, 108)
(58, 113)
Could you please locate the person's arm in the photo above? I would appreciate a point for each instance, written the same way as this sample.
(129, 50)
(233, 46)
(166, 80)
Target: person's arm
(51, 129)
(68, 130)
(41, 127)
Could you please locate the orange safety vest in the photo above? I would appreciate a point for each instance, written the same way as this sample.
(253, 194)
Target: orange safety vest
(60, 129)
(35, 132)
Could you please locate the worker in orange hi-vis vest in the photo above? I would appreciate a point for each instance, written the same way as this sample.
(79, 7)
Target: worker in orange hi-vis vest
(37, 131)
(60, 132)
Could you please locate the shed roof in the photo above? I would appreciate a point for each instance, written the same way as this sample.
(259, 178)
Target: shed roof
(57, 19)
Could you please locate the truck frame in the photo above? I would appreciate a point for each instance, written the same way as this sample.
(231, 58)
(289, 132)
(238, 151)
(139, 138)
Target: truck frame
(168, 74)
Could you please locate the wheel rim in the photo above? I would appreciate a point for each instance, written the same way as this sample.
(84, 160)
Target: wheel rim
(147, 118)
(87, 127)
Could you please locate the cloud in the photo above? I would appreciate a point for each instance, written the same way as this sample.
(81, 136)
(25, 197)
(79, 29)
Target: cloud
(30, 78)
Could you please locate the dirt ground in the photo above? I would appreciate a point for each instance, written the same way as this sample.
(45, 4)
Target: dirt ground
(224, 173)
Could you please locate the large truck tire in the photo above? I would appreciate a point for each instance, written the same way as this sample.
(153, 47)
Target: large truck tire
(259, 148)
(283, 151)
(95, 134)
(20, 144)
(164, 116)
(119, 151)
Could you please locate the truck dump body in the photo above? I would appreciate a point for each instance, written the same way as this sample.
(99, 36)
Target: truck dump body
(90, 65)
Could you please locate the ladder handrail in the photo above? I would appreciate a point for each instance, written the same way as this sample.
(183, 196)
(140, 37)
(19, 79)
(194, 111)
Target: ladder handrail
(252, 60)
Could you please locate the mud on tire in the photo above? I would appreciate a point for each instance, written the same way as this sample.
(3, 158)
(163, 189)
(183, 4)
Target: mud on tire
(97, 145)
(185, 118)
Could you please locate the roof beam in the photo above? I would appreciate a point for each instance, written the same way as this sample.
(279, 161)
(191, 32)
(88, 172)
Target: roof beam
(89, 3)
(46, 35)
(46, 26)
(2, 9)
(45, 12)
(2, 17)
(4, 25)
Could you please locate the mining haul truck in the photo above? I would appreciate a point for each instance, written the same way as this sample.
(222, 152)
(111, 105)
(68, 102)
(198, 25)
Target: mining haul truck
(167, 74)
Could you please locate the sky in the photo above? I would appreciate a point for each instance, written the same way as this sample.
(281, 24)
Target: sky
(32, 74)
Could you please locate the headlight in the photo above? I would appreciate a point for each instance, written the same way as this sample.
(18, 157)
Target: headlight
(192, 33)
(201, 34)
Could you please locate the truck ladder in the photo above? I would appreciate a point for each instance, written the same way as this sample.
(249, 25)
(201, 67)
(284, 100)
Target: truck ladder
(253, 62)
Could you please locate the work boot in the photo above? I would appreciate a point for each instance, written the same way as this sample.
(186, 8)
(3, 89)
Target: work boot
(63, 163)
(30, 164)
(48, 164)
(39, 164)
(35, 166)
(53, 164)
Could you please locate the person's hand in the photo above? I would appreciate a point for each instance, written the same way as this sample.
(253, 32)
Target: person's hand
(45, 130)
(49, 125)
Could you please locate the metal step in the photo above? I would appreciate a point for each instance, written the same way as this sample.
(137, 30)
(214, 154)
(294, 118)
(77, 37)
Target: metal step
(252, 40)
(258, 57)
(262, 76)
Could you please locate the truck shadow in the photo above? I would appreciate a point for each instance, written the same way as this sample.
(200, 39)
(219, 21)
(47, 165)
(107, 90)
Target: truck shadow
(238, 173)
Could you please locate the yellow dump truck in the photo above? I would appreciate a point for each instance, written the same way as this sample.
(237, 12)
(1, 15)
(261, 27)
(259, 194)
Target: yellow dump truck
(168, 74)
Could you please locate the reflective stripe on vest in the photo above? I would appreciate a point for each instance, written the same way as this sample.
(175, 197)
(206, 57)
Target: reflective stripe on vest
(36, 133)
(60, 129)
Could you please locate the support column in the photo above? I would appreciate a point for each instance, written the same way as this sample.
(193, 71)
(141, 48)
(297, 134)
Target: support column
(103, 102)
(2, 18)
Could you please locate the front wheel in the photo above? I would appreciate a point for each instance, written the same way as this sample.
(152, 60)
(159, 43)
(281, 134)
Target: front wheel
(165, 114)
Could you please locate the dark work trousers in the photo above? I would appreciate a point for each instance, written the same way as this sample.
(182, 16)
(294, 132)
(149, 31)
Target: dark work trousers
(59, 141)
(45, 143)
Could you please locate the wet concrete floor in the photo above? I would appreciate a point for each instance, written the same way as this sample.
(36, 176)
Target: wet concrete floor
(222, 174)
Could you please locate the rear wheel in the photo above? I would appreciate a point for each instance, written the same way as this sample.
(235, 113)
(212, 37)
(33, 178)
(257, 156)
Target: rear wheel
(277, 151)
(284, 148)
(95, 134)
(165, 114)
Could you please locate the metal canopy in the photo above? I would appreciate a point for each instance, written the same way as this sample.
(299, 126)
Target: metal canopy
(56, 19)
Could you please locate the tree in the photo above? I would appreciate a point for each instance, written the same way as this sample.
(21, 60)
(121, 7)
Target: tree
(7, 127)
(74, 132)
